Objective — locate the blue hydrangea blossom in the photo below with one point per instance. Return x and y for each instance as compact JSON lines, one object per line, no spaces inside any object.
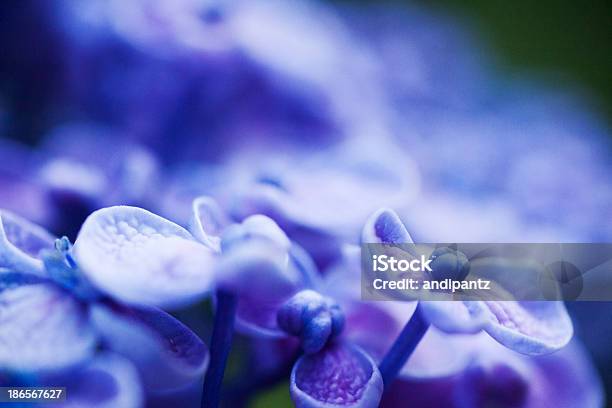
{"x":34,"y":291}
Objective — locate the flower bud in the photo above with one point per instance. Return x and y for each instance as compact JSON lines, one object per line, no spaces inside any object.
{"x":314,"y":318}
{"x":448,"y":263}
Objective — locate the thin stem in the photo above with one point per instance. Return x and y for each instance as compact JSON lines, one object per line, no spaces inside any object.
{"x":403,"y":347}
{"x":220,"y":346}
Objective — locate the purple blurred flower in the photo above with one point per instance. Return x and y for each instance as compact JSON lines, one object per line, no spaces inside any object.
{"x":322,"y":202}
{"x":235,"y":76}
{"x":490,"y":375}
{"x":106,"y":381}
{"x":348,"y":116}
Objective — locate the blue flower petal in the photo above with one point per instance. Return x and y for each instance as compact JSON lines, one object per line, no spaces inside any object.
{"x":526,"y":327}
{"x":533,"y":328}
{"x":340,"y":375}
{"x":21,"y":242}
{"x":438,"y":355}
{"x":529,"y":327}
{"x":263,"y":279}
{"x":256,"y":227}
{"x":456,"y":316}
{"x":385,"y":227}
{"x":140,"y":258}
{"x":207,"y":222}
{"x":166,"y":352}
{"x":108,"y":381}
{"x":70,"y":178}
{"x":322,"y":206}
{"x":43,"y":328}
{"x":500,"y":377}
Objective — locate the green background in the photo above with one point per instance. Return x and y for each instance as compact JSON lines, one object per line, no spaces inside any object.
{"x":567,"y":42}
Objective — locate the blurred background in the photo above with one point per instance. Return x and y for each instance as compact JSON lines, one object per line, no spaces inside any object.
{"x":63,"y":64}
{"x":559,"y":41}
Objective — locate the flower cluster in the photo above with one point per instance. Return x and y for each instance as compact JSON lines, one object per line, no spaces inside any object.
{"x":210,"y":170}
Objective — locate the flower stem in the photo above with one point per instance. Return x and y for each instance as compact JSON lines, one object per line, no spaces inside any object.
{"x":403,"y":347}
{"x":221,"y":344}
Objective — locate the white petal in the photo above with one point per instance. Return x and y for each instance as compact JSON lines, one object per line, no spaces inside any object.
{"x":141,"y":258}
{"x":42,"y":328}
{"x":20,"y":243}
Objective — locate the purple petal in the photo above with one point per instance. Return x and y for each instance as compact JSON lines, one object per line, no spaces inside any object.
{"x":342,"y":280}
{"x":65,"y":176}
{"x":20,"y":243}
{"x":536,"y":327}
{"x":438,"y":355}
{"x":263,"y":280}
{"x":455,"y":316}
{"x":141,"y":258}
{"x":339,"y":375}
{"x":385,"y":227}
{"x":322,"y":243}
{"x":43,"y":328}
{"x":500,"y":377}
{"x":492,"y":375}
{"x":94,"y":164}
{"x":108,"y":381}
{"x":261,"y":226}
{"x":256,"y":227}
{"x":321,"y":206}
{"x":208,"y":221}
{"x":365,"y":318}
{"x":166,"y":352}
{"x":21,"y":195}
{"x":529,"y":327}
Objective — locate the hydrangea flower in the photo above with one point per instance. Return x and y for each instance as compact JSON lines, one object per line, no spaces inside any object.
{"x":87,"y":166}
{"x":333,"y":371}
{"x":349,"y":115}
{"x":258,"y":268}
{"x":138,"y":257}
{"x":258,"y":262}
{"x":440,"y":370}
{"x":305,"y":200}
{"x":534,"y":327}
{"x":41,"y":283}
{"x":340,"y":375}
{"x":231,"y":78}
{"x":545,"y":328}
